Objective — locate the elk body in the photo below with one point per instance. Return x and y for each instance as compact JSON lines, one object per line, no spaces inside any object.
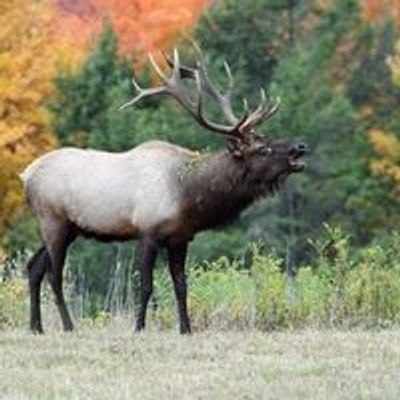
{"x":153,"y":193}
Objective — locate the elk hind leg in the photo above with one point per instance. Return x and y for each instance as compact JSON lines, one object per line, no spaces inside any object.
{"x":147,"y":258}
{"x":58,"y":235}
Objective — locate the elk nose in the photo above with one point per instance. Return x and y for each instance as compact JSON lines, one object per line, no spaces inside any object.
{"x":298,"y":149}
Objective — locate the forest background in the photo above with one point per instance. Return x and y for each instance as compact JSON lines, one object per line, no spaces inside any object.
{"x":66,"y":66}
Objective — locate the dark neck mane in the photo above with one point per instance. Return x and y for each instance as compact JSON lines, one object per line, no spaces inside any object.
{"x":217,"y":189}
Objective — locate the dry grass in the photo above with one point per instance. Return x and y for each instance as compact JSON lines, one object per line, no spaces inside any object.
{"x":112,"y":363}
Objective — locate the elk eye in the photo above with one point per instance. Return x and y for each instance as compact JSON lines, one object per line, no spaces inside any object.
{"x":268,"y":151}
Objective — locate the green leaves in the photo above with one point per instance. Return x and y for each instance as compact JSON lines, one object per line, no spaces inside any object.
{"x":85,"y":112}
{"x":329,"y":70}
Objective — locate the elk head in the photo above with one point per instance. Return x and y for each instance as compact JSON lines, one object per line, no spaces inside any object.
{"x":268,"y":160}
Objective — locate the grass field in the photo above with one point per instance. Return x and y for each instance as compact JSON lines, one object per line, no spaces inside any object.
{"x":112,"y":363}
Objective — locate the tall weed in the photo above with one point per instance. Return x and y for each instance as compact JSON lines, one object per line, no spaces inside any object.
{"x":342,"y":288}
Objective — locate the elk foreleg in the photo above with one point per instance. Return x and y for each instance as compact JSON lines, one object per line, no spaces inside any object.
{"x":176,"y":262}
{"x":147,"y":258}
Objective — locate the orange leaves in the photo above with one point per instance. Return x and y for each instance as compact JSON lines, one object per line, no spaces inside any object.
{"x":142,"y":25}
{"x":387,"y":146}
{"x":374,"y":10}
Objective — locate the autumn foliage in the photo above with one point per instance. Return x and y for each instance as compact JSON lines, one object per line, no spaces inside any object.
{"x":142,"y":25}
{"x":387,"y":144}
{"x":374,"y":10}
{"x":28,"y":54}
{"x":387,"y":165}
{"x":36,"y":38}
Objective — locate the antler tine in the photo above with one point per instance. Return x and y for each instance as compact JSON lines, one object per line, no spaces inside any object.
{"x":245,"y":105}
{"x":229,"y":133}
{"x":168,"y":83}
{"x":156,"y":67}
{"x":263,"y":103}
{"x":274,"y":108}
{"x":262,"y":107}
{"x":142,"y":93}
{"x":198,"y":49}
{"x":176,"y":69}
{"x":263,"y":111}
{"x":230,"y":77}
{"x":201,"y":66}
{"x":223,"y":100}
{"x":200,"y":96}
{"x":234,"y":127}
{"x":136,"y":84}
{"x":270,"y":110}
{"x":263,"y":95}
{"x":185,"y":72}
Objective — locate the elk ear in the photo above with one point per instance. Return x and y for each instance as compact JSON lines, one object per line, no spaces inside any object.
{"x":261,"y":147}
{"x":236,"y":147}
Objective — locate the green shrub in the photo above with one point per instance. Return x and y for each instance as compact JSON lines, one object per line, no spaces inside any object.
{"x":312,"y":297}
{"x":13,"y":293}
{"x":373,"y":289}
{"x":342,"y":288}
{"x":271,"y":290}
{"x":221,"y":295}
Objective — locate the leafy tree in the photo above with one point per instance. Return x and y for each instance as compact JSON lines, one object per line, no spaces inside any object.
{"x":86,"y":112}
{"x":319,"y":74}
{"x":296,"y":63}
{"x":141,"y":25}
{"x":252,"y":36}
{"x":376,"y":99}
{"x":375,"y":10}
{"x":326,"y":63}
{"x":90,"y":94}
{"x":27,"y":59}
{"x":370,"y":87}
{"x":387,"y":146}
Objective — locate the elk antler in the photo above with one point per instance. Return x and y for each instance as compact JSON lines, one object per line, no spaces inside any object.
{"x":234,"y":127}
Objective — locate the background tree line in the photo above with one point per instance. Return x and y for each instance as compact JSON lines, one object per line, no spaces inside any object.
{"x":335,"y":64}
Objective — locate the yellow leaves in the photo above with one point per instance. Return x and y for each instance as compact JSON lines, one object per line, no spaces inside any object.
{"x":322,"y":4}
{"x":394,"y":64}
{"x":29,"y":53}
{"x":387,"y":145}
{"x":20,"y":96}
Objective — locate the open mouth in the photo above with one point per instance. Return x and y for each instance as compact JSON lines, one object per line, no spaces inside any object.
{"x":295,"y":162}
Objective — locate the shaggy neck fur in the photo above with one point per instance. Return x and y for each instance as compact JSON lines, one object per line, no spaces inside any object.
{"x":219,"y":188}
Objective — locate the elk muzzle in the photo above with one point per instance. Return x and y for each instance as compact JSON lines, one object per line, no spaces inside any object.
{"x":296,"y":152}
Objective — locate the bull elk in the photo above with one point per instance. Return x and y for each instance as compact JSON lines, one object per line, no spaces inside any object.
{"x":149,"y":193}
